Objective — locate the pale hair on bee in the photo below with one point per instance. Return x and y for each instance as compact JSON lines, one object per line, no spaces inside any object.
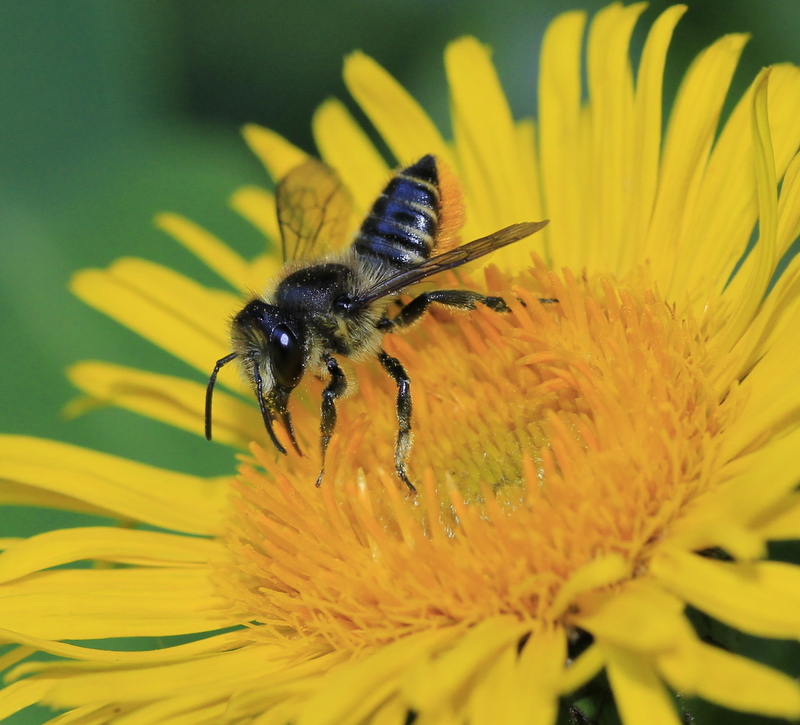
{"x":333,"y":299}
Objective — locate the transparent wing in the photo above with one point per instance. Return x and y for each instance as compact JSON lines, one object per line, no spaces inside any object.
{"x":454,"y":258}
{"x":314,"y":211}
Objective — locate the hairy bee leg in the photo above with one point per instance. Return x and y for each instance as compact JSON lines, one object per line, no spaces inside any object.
{"x":266,"y":415}
{"x":403,"y":444}
{"x":458,"y":298}
{"x":335,"y":388}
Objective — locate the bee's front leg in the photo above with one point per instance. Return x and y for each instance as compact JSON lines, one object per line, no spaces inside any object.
{"x":335,"y":388}
{"x":403,"y":444}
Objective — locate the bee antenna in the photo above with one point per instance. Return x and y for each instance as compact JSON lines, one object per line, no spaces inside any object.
{"x":265,"y":414}
{"x":210,"y":390}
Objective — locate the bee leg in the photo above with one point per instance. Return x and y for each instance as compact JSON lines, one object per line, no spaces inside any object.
{"x":333,"y":390}
{"x":403,"y":445}
{"x":458,"y":298}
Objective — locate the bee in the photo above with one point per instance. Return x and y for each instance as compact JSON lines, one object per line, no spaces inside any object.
{"x":337,"y":304}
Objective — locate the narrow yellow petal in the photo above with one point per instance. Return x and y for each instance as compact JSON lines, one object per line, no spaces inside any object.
{"x":133,"y":490}
{"x":343,"y":145}
{"x":172,"y":311}
{"x":721,"y":232}
{"x":760,"y":598}
{"x":278,"y":155}
{"x":492,"y":697}
{"x":485,"y":140}
{"x":647,"y":128}
{"x":408,"y":131}
{"x":611,"y":110}
{"x":94,"y":604}
{"x":690,"y":133}
{"x":217,"y":674}
{"x":784,"y":524}
{"x":216,"y":643}
{"x":753,"y":486}
{"x":257,"y":205}
{"x":431,"y":684}
{"x":600,"y":572}
{"x":175,"y":401}
{"x":731,"y":681}
{"x":210,"y":250}
{"x":772,"y":405}
{"x":20,"y":494}
{"x":196,"y":709}
{"x":638,"y":692}
{"x":777,"y":309}
{"x":65,"y":546}
{"x":19,"y":695}
{"x":583,"y":669}
{"x":764,"y":257}
{"x":530,"y":170}
{"x":350,"y":687}
{"x":640,"y":617}
{"x":559,"y":136}
{"x":537,"y":676}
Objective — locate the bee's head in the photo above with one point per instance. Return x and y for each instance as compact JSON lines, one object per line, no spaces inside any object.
{"x":271,"y":346}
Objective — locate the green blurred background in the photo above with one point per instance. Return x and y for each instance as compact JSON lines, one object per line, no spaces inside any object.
{"x":113,"y":111}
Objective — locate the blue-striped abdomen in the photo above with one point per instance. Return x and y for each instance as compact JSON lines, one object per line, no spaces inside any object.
{"x":401,"y":227}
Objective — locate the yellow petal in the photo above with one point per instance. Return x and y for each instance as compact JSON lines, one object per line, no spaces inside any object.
{"x":537,"y":676}
{"x":210,"y":250}
{"x":648,"y":128}
{"x":754,"y":277}
{"x":641,"y":617}
{"x":760,"y":598}
{"x":278,"y":155}
{"x":753,"y":485}
{"x":690,"y":133}
{"x":772,"y":402}
{"x":20,"y":494}
{"x":638,"y":692}
{"x":433,"y":683}
{"x":361,"y":687}
{"x":343,"y":145}
{"x":611,"y":109}
{"x":583,"y":669}
{"x":600,"y":572}
{"x":216,"y":643}
{"x":18,"y":695}
{"x":784,"y":524}
{"x":399,"y":119}
{"x":730,"y":680}
{"x":172,"y":311}
{"x":217,"y":675}
{"x":559,"y":136}
{"x":144,"y":493}
{"x":65,"y":546}
{"x":95,"y":604}
{"x":485,"y":140}
{"x":175,"y":401}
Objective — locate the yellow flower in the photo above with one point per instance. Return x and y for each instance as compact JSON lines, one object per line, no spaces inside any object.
{"x":587,"y":469}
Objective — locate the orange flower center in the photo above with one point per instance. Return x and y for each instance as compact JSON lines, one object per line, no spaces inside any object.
{"x":544,"y":437}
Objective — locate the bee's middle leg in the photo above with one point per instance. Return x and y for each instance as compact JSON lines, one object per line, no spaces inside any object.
{"x":403,"y":444}
{"x":458,"y":298}
{"x":335,"y":388}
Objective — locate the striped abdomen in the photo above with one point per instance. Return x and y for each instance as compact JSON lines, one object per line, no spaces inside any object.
{"x":401,"y":227}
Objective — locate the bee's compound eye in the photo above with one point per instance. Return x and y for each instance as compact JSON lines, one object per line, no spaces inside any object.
{"x":286,"y":355}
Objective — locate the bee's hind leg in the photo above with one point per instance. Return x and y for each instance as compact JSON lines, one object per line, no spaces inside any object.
{"x":403,"y":444}
{"x":335,"y":388}
{"x":459,"y":298}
